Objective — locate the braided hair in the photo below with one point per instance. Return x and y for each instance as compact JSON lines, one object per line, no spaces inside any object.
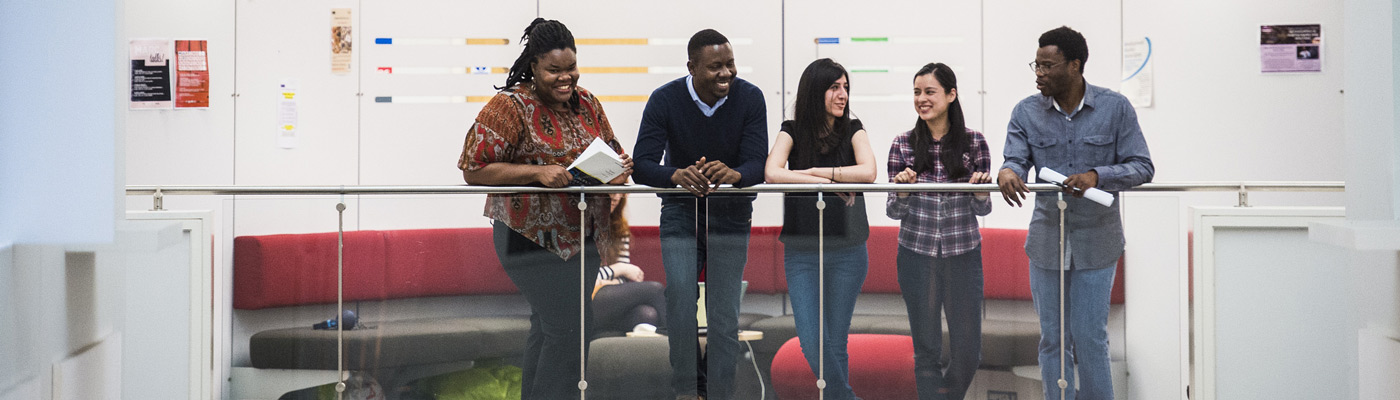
{"x":542,"y":36}
{"x":956,"y":142}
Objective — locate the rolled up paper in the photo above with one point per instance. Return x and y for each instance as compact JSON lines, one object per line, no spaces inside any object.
{"x":1094,"y":194}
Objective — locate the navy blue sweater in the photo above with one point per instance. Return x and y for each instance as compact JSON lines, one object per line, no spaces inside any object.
{"x":673,"y":128}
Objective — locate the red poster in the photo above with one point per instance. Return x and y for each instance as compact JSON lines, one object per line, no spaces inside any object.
{"x":191,"y":74}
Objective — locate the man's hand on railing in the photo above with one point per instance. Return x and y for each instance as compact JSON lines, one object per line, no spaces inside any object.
{"x":690,"y":178}
{"x":718,"y":173}
{"x":1013,"y":190}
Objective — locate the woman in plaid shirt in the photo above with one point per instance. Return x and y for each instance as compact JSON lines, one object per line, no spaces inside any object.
{"x":940,"y":252}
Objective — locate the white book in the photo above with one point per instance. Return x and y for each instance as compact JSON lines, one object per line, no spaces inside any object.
{"x":597,"y":164}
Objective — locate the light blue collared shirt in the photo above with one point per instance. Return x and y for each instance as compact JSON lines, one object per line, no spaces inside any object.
{"x":1102,"y":135}
{"x":1069,"y":116}
{"x":704,"y":108}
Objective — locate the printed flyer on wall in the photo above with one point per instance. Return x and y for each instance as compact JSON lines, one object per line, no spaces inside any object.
{"x":287,"y":113}
{"x":1137,"y":72}
{"x":342,"y":40}
{"x":191,"y":74}
{"x":1290,"y":48}
{"x":150,"y":74}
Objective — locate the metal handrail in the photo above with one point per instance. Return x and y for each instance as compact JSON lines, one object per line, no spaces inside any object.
{"x":1284,"y":186}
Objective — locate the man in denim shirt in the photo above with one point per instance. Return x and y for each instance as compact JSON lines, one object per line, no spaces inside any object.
{"x":1092,"y":135}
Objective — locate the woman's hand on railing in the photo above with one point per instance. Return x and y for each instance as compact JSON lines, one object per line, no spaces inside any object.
{"x":906,"y":176}
{"x":980,"y":177}
{"x":555,"y":176}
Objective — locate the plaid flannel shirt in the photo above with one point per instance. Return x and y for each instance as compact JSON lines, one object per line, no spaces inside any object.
{"x":938,"y":224}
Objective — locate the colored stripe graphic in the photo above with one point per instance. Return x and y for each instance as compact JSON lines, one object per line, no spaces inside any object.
{"x":577,"y":41}
{"x":619,"y":99}
{"x":442,"y":41}
{"x":483,"y":99}
{"x":888,"y":98}
{"x":612,"y":41}
{"x":612,"y":70}
{"x":885,"y":69}
{"x":647,"y":41}
{"x":673,"y":70}
{"x":890,"y":40}
{"x":443,"y":70}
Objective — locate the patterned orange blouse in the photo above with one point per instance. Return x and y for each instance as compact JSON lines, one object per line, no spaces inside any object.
{"x":516,"y":127}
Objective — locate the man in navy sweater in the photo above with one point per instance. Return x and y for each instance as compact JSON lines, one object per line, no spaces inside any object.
{"x":698,"y":132}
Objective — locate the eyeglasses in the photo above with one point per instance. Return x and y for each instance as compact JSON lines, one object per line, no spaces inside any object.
{"x":1038,"y":67}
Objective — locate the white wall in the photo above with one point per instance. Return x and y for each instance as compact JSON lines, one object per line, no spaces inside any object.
{"x":56,"y":142}
{"x":1215,"y":117}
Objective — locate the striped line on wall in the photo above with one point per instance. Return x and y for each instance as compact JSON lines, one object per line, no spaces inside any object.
{"x":443,"y":41}
{"x":577,"y":41}
{"x":483,"y":99}
{"x":481,"y":70}
{"x":888,"y":39}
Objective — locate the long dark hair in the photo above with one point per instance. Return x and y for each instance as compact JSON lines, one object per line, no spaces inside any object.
{"x":812,"y":136}
{"x":619,"y":229}
{"x":956,"y":142}
{"x":542,"y":36}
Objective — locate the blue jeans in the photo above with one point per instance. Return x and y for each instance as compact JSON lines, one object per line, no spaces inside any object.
{"x":1086,"y":330}
{"x":845,"y":273}
{"x":713,"y":232}
{"x":931,"y":286}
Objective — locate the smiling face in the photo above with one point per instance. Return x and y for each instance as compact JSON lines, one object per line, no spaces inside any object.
{"x":931,"y":100}
{"x":713,"y":70}
{"x":556,"y":77}
{"x":1053,"y":74}
{"x":836,"y":97}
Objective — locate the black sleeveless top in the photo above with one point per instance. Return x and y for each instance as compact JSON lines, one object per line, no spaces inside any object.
{"x":844,"y":226}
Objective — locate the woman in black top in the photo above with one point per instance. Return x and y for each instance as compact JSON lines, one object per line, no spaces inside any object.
{"x":822,"y":144}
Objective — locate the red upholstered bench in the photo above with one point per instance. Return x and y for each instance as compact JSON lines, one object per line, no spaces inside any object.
{"x":882,"y":368}
{"x":300,"y":269}
{"x":292,"y":270}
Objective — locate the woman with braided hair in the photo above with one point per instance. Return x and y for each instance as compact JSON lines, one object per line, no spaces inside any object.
{"x":537,"y":124}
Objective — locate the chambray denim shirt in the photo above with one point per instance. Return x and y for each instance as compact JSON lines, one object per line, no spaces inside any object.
{"x":1102,"y":135}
